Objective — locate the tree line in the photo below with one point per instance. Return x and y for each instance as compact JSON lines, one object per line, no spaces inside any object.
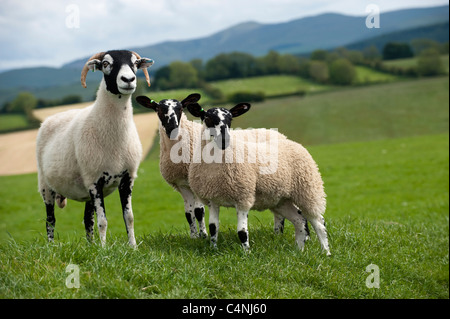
{"x":322,"y":66}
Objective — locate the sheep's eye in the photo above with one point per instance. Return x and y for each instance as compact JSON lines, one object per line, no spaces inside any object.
{"x":208,"y":122}
{"x":105,"y":64}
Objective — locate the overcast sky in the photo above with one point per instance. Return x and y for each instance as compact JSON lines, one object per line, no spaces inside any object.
{"x":51,"y":33}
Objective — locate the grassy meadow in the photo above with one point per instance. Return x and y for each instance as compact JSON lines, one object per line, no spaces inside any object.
{"x":383,"y":154}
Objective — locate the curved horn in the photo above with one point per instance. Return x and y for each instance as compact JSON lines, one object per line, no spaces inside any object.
{"x":147,"y":77}
{"x":85,"y":70}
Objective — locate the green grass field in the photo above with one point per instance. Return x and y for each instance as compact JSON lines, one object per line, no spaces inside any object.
{"x":10,"y":122}
{"x":383,"y":154}
{"x":412,"y":62}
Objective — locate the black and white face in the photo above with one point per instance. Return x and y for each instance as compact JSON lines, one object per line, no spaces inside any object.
{"x":217,"y":121}
{"x":119,"y":68}
{"x":169,"y":111}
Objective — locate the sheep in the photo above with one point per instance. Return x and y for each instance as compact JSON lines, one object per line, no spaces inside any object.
{"x":296,"y":182}
{"x":174,"y":129}
{"x":85,"y":154}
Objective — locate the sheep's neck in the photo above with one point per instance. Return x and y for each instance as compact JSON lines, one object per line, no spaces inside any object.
{"x":112,"y":106}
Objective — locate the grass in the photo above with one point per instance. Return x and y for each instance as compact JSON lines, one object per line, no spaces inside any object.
{"x":366,"y":75}
{"x":381,"y":111}
{"x":412,"y":62}
{"x":272,"y":85}
{"x":397,"y":220}
{"x":383,"y":154}
{"x":10,"y":122}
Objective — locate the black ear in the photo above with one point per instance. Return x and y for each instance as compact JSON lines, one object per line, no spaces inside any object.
{"x":192,"y":98}
{"x":196,"y":110}
{"x":147,"y":102}
{"x":240,"y":109}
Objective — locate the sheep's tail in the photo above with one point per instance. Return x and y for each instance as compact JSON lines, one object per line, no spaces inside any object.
{"x":61,"y":201}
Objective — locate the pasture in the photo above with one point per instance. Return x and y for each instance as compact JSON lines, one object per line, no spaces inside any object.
{"x":383,"y":154}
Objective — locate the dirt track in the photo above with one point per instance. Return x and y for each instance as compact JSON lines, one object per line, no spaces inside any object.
{"x":18,"y":150}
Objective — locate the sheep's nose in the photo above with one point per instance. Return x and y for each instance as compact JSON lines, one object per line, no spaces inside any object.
{"x":128,"y":80}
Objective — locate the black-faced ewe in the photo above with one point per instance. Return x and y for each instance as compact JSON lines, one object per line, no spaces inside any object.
{"x":176,"y":129}
{"x":85,"y":154}
{"x":245,"y":183}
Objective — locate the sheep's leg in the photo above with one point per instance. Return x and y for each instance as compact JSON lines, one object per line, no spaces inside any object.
{"x":318,"y":223}
{"x":214,"y":223}
{"x":199,"y":212}
{"x":291,"y":213}
{"x":89,"y":211}
{"x":96,"y":193}
{"x":242,"y":227}
{"x":189,"y":209}
{"x":125,"y":190}
{"x":278,"y":223}
{"x":49,"y":200}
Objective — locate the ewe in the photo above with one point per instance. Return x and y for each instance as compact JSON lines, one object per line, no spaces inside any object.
{"x":296,"y":181}
{"x":86,"y":154}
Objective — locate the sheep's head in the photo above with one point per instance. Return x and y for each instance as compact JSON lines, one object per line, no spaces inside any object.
{"x":218,"y":120}
{"x":169,"y":111}
{"x":119,"y":68}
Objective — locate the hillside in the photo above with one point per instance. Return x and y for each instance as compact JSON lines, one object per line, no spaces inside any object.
{"x":298,"y":36}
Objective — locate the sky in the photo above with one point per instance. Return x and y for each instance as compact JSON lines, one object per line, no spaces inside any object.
{"x":54,"y":32}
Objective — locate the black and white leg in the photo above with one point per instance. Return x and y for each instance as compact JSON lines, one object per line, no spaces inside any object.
{"x":242,"y":227}
{"x":213,"y":223}
{"x":278,"y":223}
{"x":48,"y":196}
{"x":199,"y":212}
{"x":291,"y":213}
{"x":89,"y":211}
{"x":125,"y":190}
{"x":189,"y":210}
{"x":96,"y":193}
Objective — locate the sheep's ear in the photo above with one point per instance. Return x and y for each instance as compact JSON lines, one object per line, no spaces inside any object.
{"x":94,"y":64}
{"x":196,"y":110}
{"x":240,"y":109}
{"x":144,"y":63}
{"x":146,"y":102}
{"x":191,"y":99}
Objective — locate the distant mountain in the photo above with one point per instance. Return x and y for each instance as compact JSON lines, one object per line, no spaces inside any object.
{"x":325,"y":31}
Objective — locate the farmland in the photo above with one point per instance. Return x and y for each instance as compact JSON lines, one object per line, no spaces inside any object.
{"x":383,"y":153}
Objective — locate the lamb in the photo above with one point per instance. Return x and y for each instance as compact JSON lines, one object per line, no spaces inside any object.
{"x":85,"y":154}
{"x":295,"y":183}
{"x":175,"y":129}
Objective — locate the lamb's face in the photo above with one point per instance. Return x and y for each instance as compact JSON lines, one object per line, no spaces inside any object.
{"x":169,"y":113}
{"x":218,"y":122}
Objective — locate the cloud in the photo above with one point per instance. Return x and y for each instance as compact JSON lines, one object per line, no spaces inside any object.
{"x":36,"y":32}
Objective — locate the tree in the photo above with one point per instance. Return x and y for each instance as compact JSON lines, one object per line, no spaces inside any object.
{"x":342,"y":72}
{"x":392,"y":51}
{"x":182,"y":75}
{"x":318,"y":71}
{"x":319,"y":55}
{"x":24,"y":103}
{"x":371,"y":53}
{"x":429,"y":63}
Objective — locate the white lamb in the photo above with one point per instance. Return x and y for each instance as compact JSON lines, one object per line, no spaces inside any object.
{"x":86,"y":154}
{"x":295,"y":183}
